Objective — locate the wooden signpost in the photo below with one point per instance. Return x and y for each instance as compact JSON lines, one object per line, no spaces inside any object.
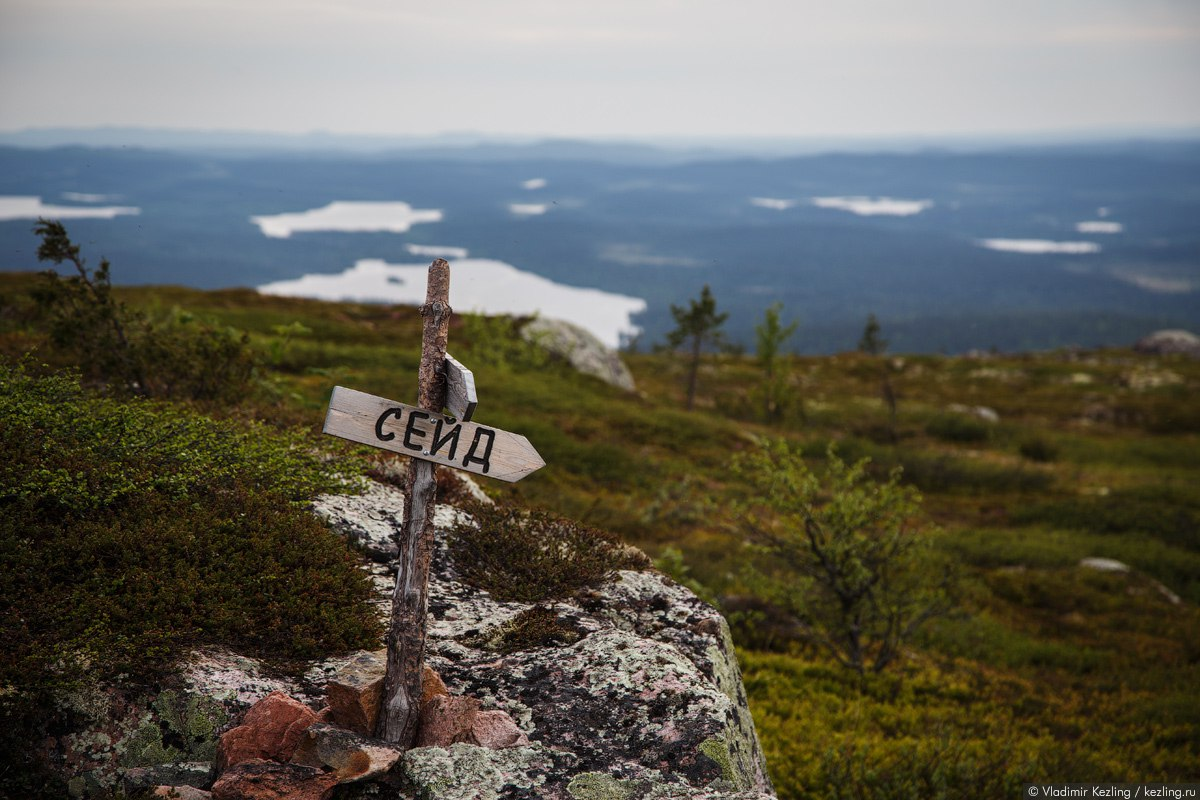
{"x":423,"y":432}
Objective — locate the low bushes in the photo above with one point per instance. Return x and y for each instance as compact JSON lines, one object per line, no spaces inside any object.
{"x":531,"y":556}
{"x":131,"y":530}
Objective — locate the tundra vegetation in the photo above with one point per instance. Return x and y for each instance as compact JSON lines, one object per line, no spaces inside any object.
{"x":1047,"y":671}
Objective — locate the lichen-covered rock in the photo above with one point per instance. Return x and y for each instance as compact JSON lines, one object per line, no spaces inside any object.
{"x":160,"y":737}
{"x":180,"y":792}
{"x":344,"y":754}
{"x":369,"y":521}
{"x":581,"y":349}
{"x":649,"y":694}
{"x":195,"y":774}
{"x":1169,"y":342}
{"x":468,"y":772}
{"x":237,"y":682}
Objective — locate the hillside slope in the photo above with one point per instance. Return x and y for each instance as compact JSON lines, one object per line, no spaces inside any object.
{"x":1028,"y":463}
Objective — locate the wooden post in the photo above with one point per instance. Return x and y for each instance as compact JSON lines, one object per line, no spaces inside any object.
{"x":406,"y":633}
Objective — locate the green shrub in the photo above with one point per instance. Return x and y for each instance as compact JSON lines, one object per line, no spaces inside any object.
{"x":1039,"y":449}
{"x":1125,"y":511}
{"x":932,"y":472}
{"x":497,"y":342}
{"x":951,"y":427}
{"x":842,"y":554}
{"x":531,"y":556}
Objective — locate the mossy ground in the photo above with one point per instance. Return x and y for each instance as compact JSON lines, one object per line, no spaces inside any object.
{"x":1049,"y":672}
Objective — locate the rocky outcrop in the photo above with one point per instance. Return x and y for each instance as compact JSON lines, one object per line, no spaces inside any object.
{"x":643,"y":700}
{"x":580,"y":349}
{"x":1169,"y":342}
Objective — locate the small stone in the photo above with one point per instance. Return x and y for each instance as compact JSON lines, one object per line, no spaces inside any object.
{"x":270,"y":730}
{"x":350,"y":757}
{"x":1168,"y":342}
{"x":431,"y":685}
{"x":446,"y":719}
{"x":1104,"y":564}
{"x":257,"y":779}
{"x":496,"y":730}
{"x":355,"y":692}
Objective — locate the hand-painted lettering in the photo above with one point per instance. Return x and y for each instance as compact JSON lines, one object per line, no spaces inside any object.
{"x":410,"y":430}
{"x":439,"y":440}
{"x":379,"y":434}
{"x":480,"y":433}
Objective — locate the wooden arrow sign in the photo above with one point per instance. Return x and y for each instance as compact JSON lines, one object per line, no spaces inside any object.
{"x":405,"y":429}
{"x":460,"y":389}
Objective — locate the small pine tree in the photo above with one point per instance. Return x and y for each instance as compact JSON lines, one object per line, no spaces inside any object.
{"x":771,"y":334}
{"x":871,"y":342}
{"x":83,"y":312}
{"x":697,"y":325}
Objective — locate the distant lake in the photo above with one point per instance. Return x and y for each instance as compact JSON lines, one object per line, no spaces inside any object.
{"x":477,"y":285}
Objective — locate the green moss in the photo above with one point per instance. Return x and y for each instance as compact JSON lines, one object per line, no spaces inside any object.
{"x":131,"y":531}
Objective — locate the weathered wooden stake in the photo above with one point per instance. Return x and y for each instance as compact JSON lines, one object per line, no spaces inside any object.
{"x":406,"y":633}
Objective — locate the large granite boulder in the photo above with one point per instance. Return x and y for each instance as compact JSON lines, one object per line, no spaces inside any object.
{"x":644,"y":699}
{"x":580,"y":349}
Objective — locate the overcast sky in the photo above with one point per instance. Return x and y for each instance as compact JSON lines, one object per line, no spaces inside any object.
{"x":611,"y":68}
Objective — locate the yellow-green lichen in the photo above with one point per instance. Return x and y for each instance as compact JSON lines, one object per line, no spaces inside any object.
{"x":195,"y":719}
{"x":717,"y":749}
{"x":145,"y":748}
{"x":191,"y":721}
{"x":597,"y":786}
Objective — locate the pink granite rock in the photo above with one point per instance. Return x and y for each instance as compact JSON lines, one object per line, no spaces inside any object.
{"x":271,"y":730}
{"x":496,"y":730}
